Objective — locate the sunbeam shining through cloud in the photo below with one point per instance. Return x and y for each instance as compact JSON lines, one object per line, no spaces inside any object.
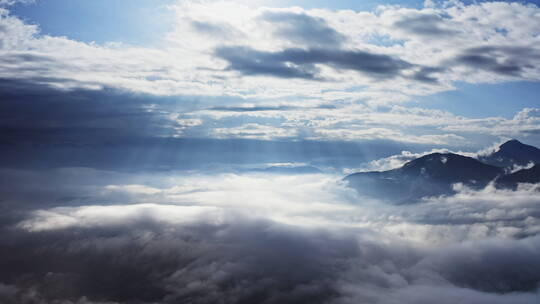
{"x":207,"y":151}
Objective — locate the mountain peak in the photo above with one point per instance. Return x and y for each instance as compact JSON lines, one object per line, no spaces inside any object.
{"x":513,"y":140}
{"x":513,"y":152}
{"x":512,"y":143}
{"x":449,"y":167}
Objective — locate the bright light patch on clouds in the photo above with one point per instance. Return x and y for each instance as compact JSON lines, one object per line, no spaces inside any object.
{"x":103,"y":216}
{"x":320,"y":201}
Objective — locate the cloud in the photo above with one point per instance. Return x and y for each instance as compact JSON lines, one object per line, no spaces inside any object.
{"x":327,"y":267}
{"x":299,"y":63}
{"x":355,"y":77}
{"x":11,"y":2}
{"x":252,"y":62}
{"x":313,"y":200}
{"x":40,"y":113}
{"x":13,"y":31}
{"x":255,"y":131}
{"x":303,"y":29}
{"x":96,"y":216}
{"x":92,"y":116}
{"x":75,"y":235}
{"x":215,"y":30}
{"x":511,"y":61}
{"x":266,"y":238}
{"x":359,"y":133}
{"x":272,"y":40}
{"x":261,"y":108}
{"x":523,"y":123}
{"x":424,"y":24}
{"x":206,"y":264}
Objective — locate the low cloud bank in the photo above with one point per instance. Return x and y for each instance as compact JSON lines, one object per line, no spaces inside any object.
{"x":260,"y":238}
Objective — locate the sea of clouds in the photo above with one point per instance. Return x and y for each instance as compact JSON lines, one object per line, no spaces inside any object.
{"x":80,"y":235}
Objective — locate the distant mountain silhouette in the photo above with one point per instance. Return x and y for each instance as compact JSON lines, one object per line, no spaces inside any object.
{"x":434,"y":174}
{"x":511,"y":153}
{"x":530,"y":176}
{"x":430,"y":175}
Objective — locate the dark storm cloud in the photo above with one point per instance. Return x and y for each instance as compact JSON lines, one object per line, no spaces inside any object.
{"x":503,"y":60}
{"x":426,"y":25}
{"x":300,"y":63}
{"x":303,"y":29}
{"x":33,"y":112}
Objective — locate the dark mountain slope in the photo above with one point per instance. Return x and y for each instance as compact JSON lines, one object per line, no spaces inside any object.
{"x":530,"y":176}
{"x":450,"y":167}
{"x":429,"y":175}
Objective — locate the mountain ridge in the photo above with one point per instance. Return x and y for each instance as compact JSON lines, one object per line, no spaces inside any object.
{"x":435,"y":174}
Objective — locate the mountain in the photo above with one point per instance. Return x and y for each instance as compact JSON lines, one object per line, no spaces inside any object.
{"x":450,"y":167}
{"x":434,"y":174}
{"x":429,"y":175}
{"x":531,"y":176}
{"x":511,"y":153}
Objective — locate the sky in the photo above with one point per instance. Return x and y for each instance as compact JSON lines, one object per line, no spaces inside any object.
{"x":459,"y":75}
{"x":193,"y":151}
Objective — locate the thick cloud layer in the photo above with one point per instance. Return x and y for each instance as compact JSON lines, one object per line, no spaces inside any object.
{"x":167,"y":238}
